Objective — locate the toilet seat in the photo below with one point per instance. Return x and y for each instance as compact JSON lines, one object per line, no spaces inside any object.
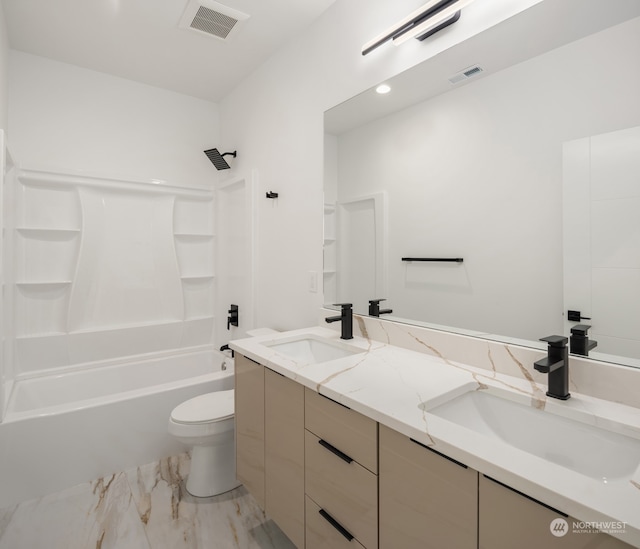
{"x":207,"y":408}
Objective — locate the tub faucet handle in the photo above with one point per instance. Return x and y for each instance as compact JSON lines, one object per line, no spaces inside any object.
{"x":232,"y":319}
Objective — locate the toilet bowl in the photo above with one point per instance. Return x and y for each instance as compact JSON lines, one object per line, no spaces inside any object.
{"x":206,"y":424}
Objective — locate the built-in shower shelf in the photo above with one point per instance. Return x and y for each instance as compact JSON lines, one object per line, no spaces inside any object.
{"x":193,"y":236}
{"x":43,"y":284}
{"x":37,"y":335}
{"x":197,"y":278}
{"x":42,"y":232}
{"x":200,"y":317}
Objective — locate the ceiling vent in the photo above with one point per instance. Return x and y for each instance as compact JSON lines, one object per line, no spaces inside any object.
{"x":465,"y":74}
{"x":211,"y":18}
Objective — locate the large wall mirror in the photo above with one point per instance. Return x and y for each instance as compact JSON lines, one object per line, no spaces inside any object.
{"x":526,"y":169}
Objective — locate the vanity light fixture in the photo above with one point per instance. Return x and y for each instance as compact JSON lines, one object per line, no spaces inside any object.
{"x":423,"y":22}
{"x":447,"y":16}
{"x":383,"y":88}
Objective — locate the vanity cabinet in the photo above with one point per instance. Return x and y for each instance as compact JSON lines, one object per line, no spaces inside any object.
{"x":284,"y":454}
{"x":426,"y":499}
{"x":341,"y":480}
{"x":269,"y":419}
{"x":331,"y":478}
{"x":507,"y":517}
{"x":249,"y":418}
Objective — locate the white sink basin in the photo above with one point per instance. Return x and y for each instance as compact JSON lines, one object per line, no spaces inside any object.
{"x":312,"y":350}
{"x":592,"y":451}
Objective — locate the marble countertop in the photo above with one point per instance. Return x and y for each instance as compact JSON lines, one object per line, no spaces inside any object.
{"x":396,"y":387}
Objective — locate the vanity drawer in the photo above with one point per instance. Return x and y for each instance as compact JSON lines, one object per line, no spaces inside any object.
{"x":347,"y":491}
{"x":349,"y":431}
{"x":320,"y":533}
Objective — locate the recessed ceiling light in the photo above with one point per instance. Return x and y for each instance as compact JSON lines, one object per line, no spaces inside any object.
{"x":383,"y":88}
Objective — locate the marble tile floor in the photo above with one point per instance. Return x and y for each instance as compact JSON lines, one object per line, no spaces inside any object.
{"x":143,"y":508}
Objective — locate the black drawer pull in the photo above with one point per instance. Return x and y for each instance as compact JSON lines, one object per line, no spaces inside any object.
{"x":335,"y":402}
{"x":326,"y":516}
{"x":335,"y":451}
{"x":439,"y":453}
{"x":526,"y":496}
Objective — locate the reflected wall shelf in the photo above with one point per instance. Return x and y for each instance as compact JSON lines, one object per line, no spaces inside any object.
{"x":329,"y":273}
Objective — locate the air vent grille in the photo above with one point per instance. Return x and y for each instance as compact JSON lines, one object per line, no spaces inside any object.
{"x":213,"y":22}
{"x":469,"y":72}
{"x":472,"y":71}
{"x":212,"y":18}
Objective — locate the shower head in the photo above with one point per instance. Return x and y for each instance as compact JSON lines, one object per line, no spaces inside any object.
{"x":217,"y":159}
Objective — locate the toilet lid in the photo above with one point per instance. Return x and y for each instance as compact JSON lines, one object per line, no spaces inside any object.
{"x":206,"y":408}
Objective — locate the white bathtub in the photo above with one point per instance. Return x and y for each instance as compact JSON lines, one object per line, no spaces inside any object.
{"x":75,"y":426}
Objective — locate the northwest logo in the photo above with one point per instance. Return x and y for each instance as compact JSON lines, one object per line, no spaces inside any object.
{"x":559,"y":527}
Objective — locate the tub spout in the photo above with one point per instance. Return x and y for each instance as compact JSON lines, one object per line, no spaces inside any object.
{"x":227,"y":348}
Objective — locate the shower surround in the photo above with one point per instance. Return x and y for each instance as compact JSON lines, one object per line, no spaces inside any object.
{"x":104,"y":279}
{"x":107,"y":268}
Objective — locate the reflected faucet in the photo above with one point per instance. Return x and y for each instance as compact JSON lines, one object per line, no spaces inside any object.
{"x":346,"y":318}
{"x":556,"y":364}
{"x":375,"y":310}
{"x":579,"y":341}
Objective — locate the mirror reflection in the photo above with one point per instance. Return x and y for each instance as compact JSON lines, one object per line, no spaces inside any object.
{"x":527,"y":169}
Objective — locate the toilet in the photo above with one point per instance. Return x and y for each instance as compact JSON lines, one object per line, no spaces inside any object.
{"x":206,"y":424}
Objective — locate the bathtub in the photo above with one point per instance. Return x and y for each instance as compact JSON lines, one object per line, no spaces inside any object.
{"x":75,"y":426}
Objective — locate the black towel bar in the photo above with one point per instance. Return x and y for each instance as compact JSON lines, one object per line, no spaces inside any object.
{"x":445,"y":259}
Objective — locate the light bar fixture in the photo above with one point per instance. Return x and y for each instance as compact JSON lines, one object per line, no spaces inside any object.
{"x":423,"y":22}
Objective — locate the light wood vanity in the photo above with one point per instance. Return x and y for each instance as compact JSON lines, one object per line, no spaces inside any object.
{"x":333,"y":478}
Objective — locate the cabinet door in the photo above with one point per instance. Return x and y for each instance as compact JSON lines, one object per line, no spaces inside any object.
{"x":249,"y":415}
{"x":510,"y":519}
{"x":284,"y":454}
{"x":426,"y":500}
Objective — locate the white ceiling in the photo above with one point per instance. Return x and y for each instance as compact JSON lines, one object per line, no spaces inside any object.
{"x":140,"y":39}
{"x":543,"y":27}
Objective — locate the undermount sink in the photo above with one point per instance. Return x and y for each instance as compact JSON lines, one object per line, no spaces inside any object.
{"x":592,"y":451}
{"x":312,"y":350}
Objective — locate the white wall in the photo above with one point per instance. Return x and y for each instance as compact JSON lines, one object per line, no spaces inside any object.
{"x":4,"y":55}
{"x":275,"y":120}
{"x":69,"y":118}
{"x":477,"y":173}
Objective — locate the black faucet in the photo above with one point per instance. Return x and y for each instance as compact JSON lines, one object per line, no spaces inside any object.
{"x":556,"y":364}
{"x":579,"y":341}
{"x":375,"y":310}
{"x":346,"y":317}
